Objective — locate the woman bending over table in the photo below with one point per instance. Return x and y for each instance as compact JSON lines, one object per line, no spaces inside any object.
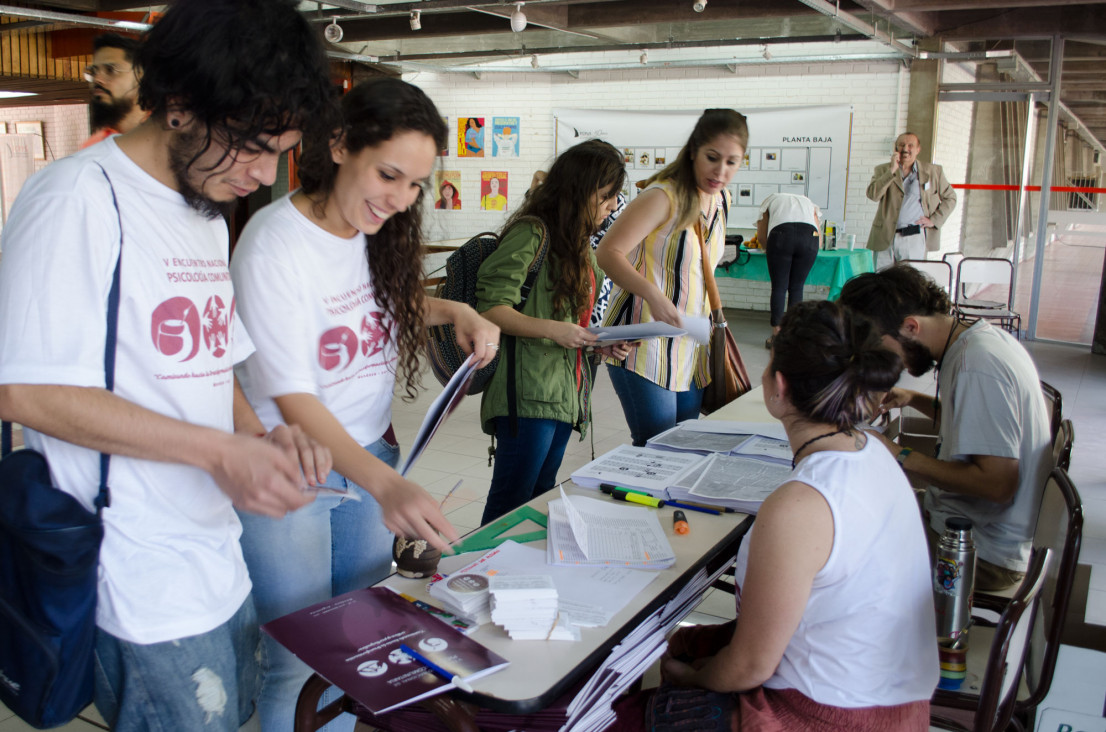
{"x":655,"y":254}
{"x":835,"y":625}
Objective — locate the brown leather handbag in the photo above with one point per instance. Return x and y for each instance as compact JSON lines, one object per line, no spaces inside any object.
{"x":728,"y":377}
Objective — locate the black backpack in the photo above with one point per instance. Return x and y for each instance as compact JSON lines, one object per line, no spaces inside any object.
{"x":459,"y":285}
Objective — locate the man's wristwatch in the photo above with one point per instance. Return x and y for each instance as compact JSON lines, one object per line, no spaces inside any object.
{"x":903,"y":455}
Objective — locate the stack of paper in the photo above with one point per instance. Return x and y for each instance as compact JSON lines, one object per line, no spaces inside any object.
{"x":586,"y":531}
{"x":730,"y":481}
{"x":641,"y":468}
{"x":465,"y":592}
{"x":526,"y":607}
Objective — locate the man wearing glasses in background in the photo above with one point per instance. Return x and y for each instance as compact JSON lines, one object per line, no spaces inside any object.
{"x":114,"y":79}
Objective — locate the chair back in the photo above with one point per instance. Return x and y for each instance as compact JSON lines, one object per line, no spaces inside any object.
{"x":1061,"y":446}
{"x":953,"y":260}
{"x":1006,"y":660}
{"x":982,"y":272}
{"x":1055,"y":404}
{"x":1060,"y":530}
{"x":939,"y":272}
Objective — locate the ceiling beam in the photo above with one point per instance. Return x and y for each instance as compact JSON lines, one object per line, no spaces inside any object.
{"x":1083,"y":21}
{"x":939,"y":6}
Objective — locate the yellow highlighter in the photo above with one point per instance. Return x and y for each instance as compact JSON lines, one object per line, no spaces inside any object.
{"x":620,"y":495}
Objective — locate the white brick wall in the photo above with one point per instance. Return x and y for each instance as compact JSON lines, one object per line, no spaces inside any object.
{"x":65,"y":127}
{"x":871,"y":88}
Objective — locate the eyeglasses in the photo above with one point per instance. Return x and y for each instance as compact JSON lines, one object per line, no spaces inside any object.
{"x":109,"y":70}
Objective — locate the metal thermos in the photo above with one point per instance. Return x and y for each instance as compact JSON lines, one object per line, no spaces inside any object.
{"x":953,"y":581}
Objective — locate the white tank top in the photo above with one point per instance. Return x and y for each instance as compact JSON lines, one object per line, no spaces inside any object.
{"x":868,"y":634}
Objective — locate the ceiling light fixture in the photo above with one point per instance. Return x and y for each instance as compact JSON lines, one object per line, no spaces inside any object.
{"x":518,"y":18}
{"x":333,"y":32}
{"x":767,"y":54}
{"x":416,"y":20}
{"x":534,"y":61}
{"x":644,"y":58}
{"x":699,"y":6}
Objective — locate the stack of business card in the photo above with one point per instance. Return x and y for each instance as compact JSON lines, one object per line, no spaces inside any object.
{"x":526,"y":607}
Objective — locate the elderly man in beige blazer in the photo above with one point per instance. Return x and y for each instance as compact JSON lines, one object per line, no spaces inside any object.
{"x":914,"y":200}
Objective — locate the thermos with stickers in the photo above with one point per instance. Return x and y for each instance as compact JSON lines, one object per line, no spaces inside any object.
{"x":953,"y":583}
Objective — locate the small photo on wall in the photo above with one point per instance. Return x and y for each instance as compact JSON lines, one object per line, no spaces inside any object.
{"x":470,"y":137}
{"x":628,"y":156}
{"x":493,"y":190}
{"x":447,"y":193}
{"x":505,"y":137}
{"x":643,"y":158}
{"x":660,"y":158}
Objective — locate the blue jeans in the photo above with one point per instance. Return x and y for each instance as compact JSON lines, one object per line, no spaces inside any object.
{"x":203,"y":682}
{"x":526,"y":465}
{"x":651,"y":409}
{"x":329,"y":547}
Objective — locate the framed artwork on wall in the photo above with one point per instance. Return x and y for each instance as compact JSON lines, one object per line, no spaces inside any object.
{"x":33,"y":128}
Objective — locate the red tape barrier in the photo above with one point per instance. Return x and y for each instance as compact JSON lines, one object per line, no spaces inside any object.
{"x":1055,"y":189}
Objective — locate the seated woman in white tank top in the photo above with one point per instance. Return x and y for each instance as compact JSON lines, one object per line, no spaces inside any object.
{"x":835,"y":626}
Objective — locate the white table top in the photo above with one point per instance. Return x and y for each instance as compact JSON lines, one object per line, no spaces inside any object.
{"x":541,"y":671}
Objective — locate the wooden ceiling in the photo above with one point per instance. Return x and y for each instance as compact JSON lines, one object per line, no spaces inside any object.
{"x":458,"y":32}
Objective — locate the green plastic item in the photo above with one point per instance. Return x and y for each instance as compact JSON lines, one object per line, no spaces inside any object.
{"x":492,"y":535}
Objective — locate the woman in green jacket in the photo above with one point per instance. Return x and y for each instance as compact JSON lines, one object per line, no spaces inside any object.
{"x":540,"y":390}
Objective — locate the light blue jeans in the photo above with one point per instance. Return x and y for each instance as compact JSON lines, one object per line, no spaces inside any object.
{"x":332,"y":546}
{"x":651,"y":409}
{"x":203,"y":682}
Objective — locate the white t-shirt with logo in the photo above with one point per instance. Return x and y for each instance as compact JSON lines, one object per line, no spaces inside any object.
{"x":307,"y":298}
{"x":170,"y":563}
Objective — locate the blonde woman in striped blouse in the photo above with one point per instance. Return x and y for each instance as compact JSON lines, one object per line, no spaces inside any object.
{"x":654,"y":253}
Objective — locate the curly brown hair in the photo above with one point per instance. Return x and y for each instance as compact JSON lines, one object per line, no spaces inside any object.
{"x":563,"y":202}
{"x":374,"y":112}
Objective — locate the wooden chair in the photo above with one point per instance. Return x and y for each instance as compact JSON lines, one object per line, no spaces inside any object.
{"x":1061,"y":446}
{"x":1055,"y":404}
{"x":993,"y":708}
{"x":1059,"y":530}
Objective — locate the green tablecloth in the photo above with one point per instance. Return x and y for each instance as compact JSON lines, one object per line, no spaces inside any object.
{"x":833,"y":268}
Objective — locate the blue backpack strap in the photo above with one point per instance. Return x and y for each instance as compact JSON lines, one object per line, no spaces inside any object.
{"x":103,"y":498}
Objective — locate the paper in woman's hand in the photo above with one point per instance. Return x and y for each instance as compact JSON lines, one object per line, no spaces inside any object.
{"x":635,"y":332}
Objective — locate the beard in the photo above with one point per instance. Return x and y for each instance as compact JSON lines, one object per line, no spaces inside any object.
{"x":109,"y":113}
{"x":184,"y":149}
{"x":916,"y":358}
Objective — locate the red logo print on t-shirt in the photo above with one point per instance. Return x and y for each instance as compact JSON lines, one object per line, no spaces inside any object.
{"x":337,"y":347}
{"x":216,"y":324}
{"x":372,"y":334}
{"x":175,"y":328}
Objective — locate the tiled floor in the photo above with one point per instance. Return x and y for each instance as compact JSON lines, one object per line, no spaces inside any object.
{"x":460,"y":451}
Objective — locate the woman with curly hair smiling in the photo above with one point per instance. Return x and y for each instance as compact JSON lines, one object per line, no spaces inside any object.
{"x":329,"y":284}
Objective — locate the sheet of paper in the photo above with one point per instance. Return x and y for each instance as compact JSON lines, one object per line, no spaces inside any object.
{"x":698,"y":327}
{"x":643,"y":468}
{"x":616,"y":533}
{"x":681,"y":437}
{"x":739,"y":478}
{"x":766,"y":447}
{"x":591,"y":595}
{"x":766,"y":429}
{"x":635,"y":331}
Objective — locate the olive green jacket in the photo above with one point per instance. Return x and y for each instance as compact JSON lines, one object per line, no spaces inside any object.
{"x":545,"y":371}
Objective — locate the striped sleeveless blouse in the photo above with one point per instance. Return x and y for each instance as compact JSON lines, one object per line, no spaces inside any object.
{"x":672,"y":259}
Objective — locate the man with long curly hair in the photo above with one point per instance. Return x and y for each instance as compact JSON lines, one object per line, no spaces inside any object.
{"x":177,"y":634}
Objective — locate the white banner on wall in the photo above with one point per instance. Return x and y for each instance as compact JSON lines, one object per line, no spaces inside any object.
{"x":801,"y":150}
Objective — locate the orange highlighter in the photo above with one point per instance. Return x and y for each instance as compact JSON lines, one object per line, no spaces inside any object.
{"x":679,"y":523}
